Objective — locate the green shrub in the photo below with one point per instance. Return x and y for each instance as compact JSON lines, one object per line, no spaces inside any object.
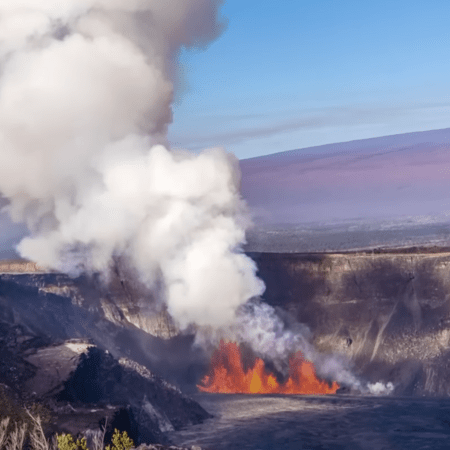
{"x":66,"y":442}
{"x":13,"y":433}
{"x":120,"y":441}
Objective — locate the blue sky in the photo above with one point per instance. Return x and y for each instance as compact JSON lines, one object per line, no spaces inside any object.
{"x":287,"y":75}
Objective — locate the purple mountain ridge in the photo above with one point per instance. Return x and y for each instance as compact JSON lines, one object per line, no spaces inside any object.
{"x":382,"y":183}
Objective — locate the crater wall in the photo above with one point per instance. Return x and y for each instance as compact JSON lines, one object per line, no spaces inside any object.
{"x":388,"y":312}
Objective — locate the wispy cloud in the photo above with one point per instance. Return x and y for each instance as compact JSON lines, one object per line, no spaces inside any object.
{"x":237,"y":129}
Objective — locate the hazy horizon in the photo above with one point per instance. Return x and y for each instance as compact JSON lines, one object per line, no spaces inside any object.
{"x":393,"y":190}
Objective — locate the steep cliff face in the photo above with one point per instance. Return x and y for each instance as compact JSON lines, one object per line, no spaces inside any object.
{"x":389,"y":312}
{"x":121,"y":301}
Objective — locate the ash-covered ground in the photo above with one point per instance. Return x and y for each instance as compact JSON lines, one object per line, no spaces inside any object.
{"x":338,"y":422}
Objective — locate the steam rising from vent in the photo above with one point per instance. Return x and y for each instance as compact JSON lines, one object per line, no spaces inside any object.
{"x":85,"y":94}
{"x":261,"y":327}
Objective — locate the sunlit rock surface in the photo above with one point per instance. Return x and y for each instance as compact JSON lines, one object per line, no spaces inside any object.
{"x":121,"y":299}
{"x":19,"y":266}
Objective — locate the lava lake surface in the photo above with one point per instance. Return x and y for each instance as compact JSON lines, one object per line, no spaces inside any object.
{"x":331,"y":422}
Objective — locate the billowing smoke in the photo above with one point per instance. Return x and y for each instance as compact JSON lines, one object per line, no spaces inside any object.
{"x":86,"y":88}
{"x":85,"y":101}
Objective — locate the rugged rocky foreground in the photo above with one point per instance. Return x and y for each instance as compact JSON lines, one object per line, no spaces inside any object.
{"x":388,"y":311}
{"x":61,"y":349}
{"x":83,"y":388}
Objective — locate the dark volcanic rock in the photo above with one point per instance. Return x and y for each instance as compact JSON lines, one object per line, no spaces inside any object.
{"x":86,"y":387}
{"x":73,"y":345}
{"x":15,"y":342}
{"x":153,"y":404}
{"x":56,"y":307}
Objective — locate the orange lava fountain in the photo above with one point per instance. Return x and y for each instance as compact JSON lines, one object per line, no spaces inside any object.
{"x":227,"y":376}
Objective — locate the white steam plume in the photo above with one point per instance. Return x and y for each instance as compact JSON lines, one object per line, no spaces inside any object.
{"x":85,"y":94}
{"x":276,"y":338}
{"x":259,"y":325}
{"x":85,"y":101}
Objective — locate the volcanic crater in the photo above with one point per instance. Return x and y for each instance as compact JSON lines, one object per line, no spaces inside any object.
{"x":386,"y":312}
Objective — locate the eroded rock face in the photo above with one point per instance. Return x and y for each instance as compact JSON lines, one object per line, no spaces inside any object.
{"x":389,"y":312}
{"x":120,"y":300}
{"x":56,"y":307}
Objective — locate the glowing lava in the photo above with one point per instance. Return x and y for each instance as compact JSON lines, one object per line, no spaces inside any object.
{"x":227,"y":376}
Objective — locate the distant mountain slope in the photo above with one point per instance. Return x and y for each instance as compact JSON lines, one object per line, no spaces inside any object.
{"x":387,"y":177}
{"x":393,"y":190}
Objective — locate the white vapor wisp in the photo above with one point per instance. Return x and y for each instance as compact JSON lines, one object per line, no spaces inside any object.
{"x":261,"y":327}
{"x":86,"y":88}
{"x":275,"y":336}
